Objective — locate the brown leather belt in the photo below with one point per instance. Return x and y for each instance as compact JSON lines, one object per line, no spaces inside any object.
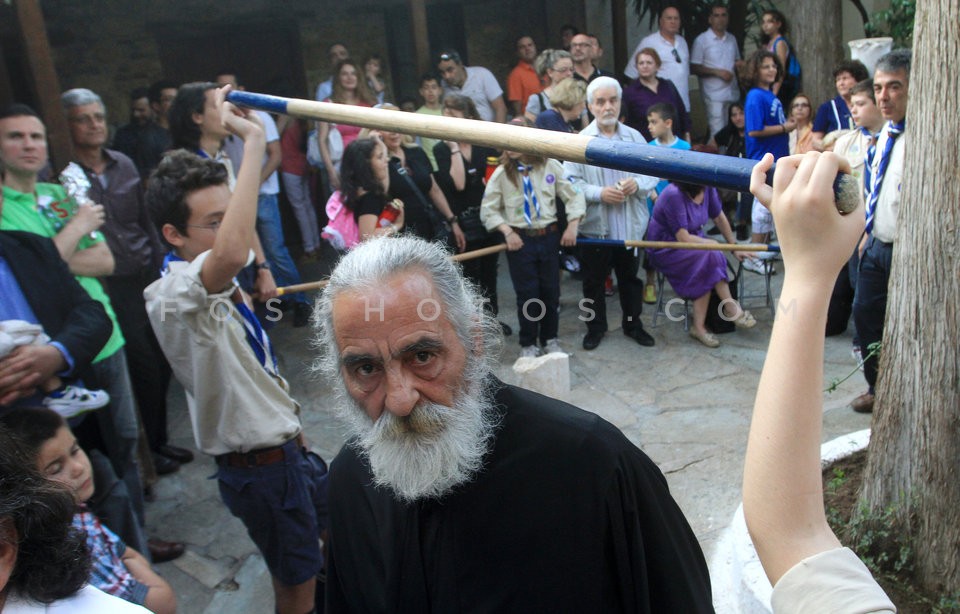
{"x":537,"y":232}
{"x":258,"y":458}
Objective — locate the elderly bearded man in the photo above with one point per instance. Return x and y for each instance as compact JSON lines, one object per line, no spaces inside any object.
{"x":457,"y":492}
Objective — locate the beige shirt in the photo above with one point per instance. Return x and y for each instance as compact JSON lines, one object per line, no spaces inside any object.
{"x":831,"y":581}
{"x":234,"y":404}
{"x":888,"y":205}
{"x":503,"y":201}
{"x":853,"y":146}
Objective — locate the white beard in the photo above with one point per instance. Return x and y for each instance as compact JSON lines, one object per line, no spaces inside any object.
{"x":429,"y":452}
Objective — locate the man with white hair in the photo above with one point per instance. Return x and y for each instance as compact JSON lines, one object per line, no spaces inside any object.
{"x":457,"y":489}
{"x":616,"y":209}
{"x":135,"y":244}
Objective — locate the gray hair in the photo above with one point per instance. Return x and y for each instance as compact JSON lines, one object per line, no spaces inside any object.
{"x":895,"y":61}
{"x":547,"y":58}
{"x":601,"y":82}
{"x":372,"y":262}
{"x":79,"y":96}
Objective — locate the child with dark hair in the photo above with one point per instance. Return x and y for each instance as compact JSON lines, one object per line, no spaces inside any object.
{"x":767,"y":128}
{"x":520,"y":201}
{"x":240,"y":405}
{"x":116,"y":568}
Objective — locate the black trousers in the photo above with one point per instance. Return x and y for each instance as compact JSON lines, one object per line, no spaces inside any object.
{"x":483,"y":271}
{"x":595,"y":263}
{"x":870,"y":302}
{"x":149,"y":370}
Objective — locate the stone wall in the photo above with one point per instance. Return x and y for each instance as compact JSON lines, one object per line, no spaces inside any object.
{"x":114,"y":46}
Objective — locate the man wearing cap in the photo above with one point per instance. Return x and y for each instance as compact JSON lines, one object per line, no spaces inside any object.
{"x":474,"y":82}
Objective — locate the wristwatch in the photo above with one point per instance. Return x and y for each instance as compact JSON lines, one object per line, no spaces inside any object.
{"x":264,"y":266}
{"x":452,"y":220}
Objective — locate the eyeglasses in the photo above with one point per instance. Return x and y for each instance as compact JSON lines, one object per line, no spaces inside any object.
{"x":676,"y":56}
{"x":96,"y":118}
{"x":214,"y":226}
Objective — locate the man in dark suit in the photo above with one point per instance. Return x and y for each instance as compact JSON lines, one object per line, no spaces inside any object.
{"x":33,"y":276}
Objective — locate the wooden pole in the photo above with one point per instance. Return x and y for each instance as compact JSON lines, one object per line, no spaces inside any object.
{"x":33,"y":31}
{"x":486,"y":251}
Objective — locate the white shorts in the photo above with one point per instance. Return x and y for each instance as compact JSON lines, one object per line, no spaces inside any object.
{"x":761,"y":218}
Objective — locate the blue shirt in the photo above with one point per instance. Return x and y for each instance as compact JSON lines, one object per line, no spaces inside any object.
{"x":833,"y":115}
{"x":763,"y":109}
{"x":14,"y":306}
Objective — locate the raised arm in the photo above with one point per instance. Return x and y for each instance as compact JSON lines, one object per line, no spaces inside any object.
{"x":782,"y":489}
{"x":237,"y":233}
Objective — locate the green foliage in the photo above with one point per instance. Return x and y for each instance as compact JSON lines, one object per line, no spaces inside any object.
{"x":879,"y":539}
{"x":872,"y":350}
{"x":839,"y":479}
{"x":896,"y":22}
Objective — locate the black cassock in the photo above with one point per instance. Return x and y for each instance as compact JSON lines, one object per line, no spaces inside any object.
{"x":566,"y":516}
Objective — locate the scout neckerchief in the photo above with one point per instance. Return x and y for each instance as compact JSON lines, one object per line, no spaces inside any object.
{"x":893,"y":131}
{"x":256,"y":337}
{"x":529,"y":195}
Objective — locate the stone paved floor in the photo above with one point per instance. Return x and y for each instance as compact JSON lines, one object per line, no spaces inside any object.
{"x":687,"y":406}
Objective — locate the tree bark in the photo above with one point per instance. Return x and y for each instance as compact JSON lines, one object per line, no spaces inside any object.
{"x":814,"y":32}
{"x":915,"y":447}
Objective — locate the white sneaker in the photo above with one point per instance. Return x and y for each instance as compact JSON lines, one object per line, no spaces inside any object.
{"x":766,"y":255}
{"x":529,"y":351}
{"x":73,"y":400}
{"x":755,"y":265}
{"x":552,"y":346}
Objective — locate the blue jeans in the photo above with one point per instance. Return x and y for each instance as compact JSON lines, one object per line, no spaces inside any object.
{"x":870,"y":301}
{"x":284,"y":507}
{"x":535,"y":273}
{"x":270,"y":230}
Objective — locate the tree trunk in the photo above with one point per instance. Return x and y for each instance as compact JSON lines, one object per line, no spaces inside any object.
{"x":814,"y":32}
{"x":915,"y":448}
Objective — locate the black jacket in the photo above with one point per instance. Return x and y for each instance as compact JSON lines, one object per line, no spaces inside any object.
{"x":64,"y":309}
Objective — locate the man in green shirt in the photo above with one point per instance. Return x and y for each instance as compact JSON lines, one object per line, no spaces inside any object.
{"x":45,"y":209}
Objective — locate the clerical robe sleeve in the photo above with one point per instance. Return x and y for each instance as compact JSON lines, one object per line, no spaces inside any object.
{"x":659,"y":564}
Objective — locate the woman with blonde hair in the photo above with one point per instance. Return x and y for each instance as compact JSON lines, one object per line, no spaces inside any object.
{"x":553,"y":66}
{"x":349,"y":87}
{"x":569,"y":99}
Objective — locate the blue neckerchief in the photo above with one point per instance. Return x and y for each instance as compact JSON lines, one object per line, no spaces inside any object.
{"x":529,"y":195}
{"x":893,"y":131}
{"x":868,"y":160}
{"x":257,"y":338}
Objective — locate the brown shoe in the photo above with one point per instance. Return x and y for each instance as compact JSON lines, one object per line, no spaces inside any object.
{"x":163,"y":551}
{"x":863,"y":404}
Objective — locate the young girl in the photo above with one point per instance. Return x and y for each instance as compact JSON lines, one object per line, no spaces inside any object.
{"x":767,"y":130}
{"x":117,"y":569}
{"x":774,"y":27}
{"x":520,"y":202}
{"x":365,"y":181}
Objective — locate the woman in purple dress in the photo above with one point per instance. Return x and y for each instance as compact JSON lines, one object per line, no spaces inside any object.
{"x":679,"y":215}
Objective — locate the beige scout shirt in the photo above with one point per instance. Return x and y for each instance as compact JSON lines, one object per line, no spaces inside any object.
{"x":234,"y":404}
{"x":888,"y":205}
{"x":503,"y":201}
{"x":831,"y":581}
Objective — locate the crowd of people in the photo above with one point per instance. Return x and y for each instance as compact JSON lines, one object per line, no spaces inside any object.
{"x":112,"y":282}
